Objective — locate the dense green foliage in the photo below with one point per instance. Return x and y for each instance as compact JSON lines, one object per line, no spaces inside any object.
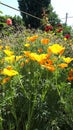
{"x":17,"y":24}
{"x":15,"y":19}
{"x":33,"y":7}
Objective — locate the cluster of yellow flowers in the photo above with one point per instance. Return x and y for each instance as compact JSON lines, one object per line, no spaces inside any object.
{"x":48,"y":60}
{"x":8,"y":58}
{"x":44,"y":59}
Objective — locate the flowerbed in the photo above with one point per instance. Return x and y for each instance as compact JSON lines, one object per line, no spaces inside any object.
{"x":36,"y":81}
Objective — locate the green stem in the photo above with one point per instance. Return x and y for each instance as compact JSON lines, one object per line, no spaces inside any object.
{"x":30,"y":113}
{"x":56,"y":79}
{"x":24,"y":91}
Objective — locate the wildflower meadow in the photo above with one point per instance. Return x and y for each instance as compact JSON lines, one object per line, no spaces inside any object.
{"x":36,"y":80}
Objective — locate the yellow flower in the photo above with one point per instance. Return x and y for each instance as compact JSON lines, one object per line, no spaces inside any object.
{"x":56,"y":49}
{"x":42,"y":58}
{"x":45,"y":41}
{"x":18,"y":57}
{"x":13,"y":58}
{"x":67,"y":59}
{"x":9,"y":71}
{"x":1,"y":47}
{"x":65,"y":39}
{"x":33,"y":56}
{"x":8,"y":52}
{"x":10,"y":59}
{"x":36,"y":57}
{"x":27,"y":45}
{"x":7,"y":47}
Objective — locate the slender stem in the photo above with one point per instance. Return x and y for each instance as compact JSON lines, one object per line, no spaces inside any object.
{"x":30,"y":113}
{"x":25,"y":93}
{"x":56,"y":79}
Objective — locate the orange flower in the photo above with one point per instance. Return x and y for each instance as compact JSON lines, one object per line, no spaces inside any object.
{"x":49,"y":62}
{"x":5,"y":80}
{"x":9,"y":67}
{"x":32,"y":38}
{"x":70,"y":77}
{"x":22,"y":64}
{"x":45,"y":41}
{"x":27,"y":60}
{"x":63,"y":65}
{"x":27,"y":53}
{"x":49,"y":67}
{"x":40,"y":50}
{"x":0,"y":70}
{"x":46,"y":62}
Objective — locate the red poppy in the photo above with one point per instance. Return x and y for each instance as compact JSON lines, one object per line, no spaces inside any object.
{"x":67,"y":36}
{"x":59,"y":25}
{"x":9,"y":21}
{"x":48,"y":28}
{"x":60,"y":30}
